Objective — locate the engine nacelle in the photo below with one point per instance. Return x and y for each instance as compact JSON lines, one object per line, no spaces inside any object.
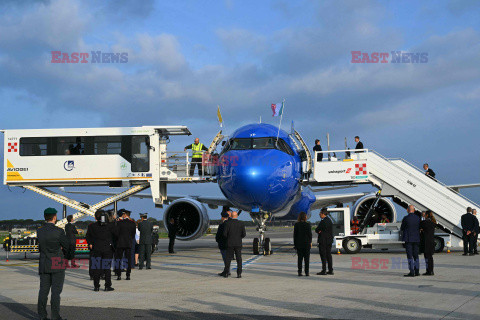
{"x":190,"y":217}
{"x":384,"y":206}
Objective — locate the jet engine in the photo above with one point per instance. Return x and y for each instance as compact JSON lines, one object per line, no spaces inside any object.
{"x":384,"y":206}
{"x":190,"y":217}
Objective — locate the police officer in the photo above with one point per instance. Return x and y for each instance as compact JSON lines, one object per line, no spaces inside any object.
{"x":234,"y":232}
{"x":325,"y":239}
{"x":71,"y":233}
{"x":468,"y":228}
{"x":221,"y":239}
{"x":51,"y":267}
{"x":100,"y":239}
{"x":172,"y":233}
{"x":145,"y":243}
{"x":411,"y":236}
{"x":197,"y":149}
{"x":476,"y":230}
{"x":125,"y":232}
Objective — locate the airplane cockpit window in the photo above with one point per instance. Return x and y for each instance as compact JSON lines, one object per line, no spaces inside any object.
{"x":283,"y":146}
{"x":241,"y":144}
{"x":263,"y":143}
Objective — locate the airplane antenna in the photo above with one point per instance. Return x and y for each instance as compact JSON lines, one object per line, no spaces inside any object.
{"x":260,"y":119}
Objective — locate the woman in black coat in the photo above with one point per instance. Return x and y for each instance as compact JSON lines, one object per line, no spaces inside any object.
{"x":302,"y":240}
{"x":427,"y":228}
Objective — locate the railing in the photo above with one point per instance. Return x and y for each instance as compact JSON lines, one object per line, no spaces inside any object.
{"x":354,"y":154}
{"x":181,"y":162}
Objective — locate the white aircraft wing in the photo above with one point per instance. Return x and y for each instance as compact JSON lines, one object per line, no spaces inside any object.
{"x":336,"y":199}
{"x":457,"y":187}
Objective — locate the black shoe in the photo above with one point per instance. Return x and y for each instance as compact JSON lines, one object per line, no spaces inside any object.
{"x":148,"y":268}
{"x":96,"y":289}
{"x":307,"y":274}
{"x":239,"y":276}
{"x":119,"y":278}
{"x":322,"y":273}
{"x":127,"y":278}
{"x":221,"y":274}
{"x":465,"y":254}
{"x":109,"y":289}
{"x":428,"y":274}
{"x":417,"y":274}
{"x":300,"y":274}
{"x":409,"y":274}
{"x":140,"y":268}
{"x":330,"y":272}
{"x":225,"y":275}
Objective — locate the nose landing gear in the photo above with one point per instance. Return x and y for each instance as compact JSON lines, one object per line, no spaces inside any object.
{"x":261,"y":245}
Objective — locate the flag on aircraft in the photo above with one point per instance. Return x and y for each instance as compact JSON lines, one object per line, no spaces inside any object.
{"x":219,"y":116}
{"x":277,"y":109}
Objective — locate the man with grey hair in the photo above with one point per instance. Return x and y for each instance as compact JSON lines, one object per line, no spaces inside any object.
{"x":411,"y":236}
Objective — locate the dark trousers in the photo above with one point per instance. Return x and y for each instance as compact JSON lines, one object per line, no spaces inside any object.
{"x":53,"y":281}
{"x":71,"y":252}
{"x":238,"y":253}
{"x":196,"y":162}
{"x":412,"y":249}
{"x":171,"y":243}
{"x":90,"y":270}
{"x":223,"y":252}
{"x":429,"y":260}
{"x":145,"y":254}
{"x":474,"y":245}
{"x":468,"y":242}
{"x":123,"y":260}
{"x":303,"y":256}
{"x":101,"y":264}
{"x":326,"y":256}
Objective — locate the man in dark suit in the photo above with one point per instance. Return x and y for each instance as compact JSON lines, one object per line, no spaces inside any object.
{"x":172,"y":234}
{"x":145,"y":243}
{"x":477,"y":230}
{"x":51,"y":267}
{"x":222,"y":240}
{"x":429,"y":172}
{"x":302,"y":241}
{"x":427,"y":228}
{"x":125,"y":232}
{"x":71,"y":233}
{"x":359,"y":144}
{"x":318,"y":148}
{"x":468,"y":227}
{"x":234,"y":232}
{"x":325,"y":239}
{"x":411,"y":236}
{"x":100,"y":239}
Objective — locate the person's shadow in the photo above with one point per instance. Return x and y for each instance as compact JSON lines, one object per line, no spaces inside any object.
{"x":17,"y":308}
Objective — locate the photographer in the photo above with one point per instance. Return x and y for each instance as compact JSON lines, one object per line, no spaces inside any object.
{"x":100,"y":240}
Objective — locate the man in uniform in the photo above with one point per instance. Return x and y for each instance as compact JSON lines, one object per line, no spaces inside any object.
{"x":145,"y":250}
{"x":234,"y":232}
{"x":125,"y":231}
{"x":71,"y":232}
{"x":325,"y":239}
{"x":468,"y":227}
{"x":197,"y":153}
{"x":100,"y":239}
{"x":411,"y":236}
{"x":221,"y":240}
{"x":172,"y":233}
{"x":51,"y":267}
{"x":476,"y":230}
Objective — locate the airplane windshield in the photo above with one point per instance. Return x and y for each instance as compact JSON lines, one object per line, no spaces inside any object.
{"x":258,"y":143}
{"x":263,"y":143}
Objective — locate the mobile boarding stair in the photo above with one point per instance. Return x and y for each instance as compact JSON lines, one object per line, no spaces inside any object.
{"x":398,"y":179}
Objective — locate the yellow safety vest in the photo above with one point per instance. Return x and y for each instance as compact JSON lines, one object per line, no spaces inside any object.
{"x":197,"y":150}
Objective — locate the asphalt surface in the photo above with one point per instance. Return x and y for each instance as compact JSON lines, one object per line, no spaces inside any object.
{"x":369,"y":285}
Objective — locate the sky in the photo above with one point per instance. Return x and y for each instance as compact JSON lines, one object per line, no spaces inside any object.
{"x":187,"y":57}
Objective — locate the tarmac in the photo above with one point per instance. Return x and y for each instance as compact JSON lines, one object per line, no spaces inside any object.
{"x":185,"y":285}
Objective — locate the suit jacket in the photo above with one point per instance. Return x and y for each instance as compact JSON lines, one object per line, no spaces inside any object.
{"x":220,"y":238}
{"x":100,"y":236}
{"x":468,"y":222}
{"x":71,"y":231}
{"x":325,"y":231}
{"x":428,"y":229}
{"x":302,"y":235}
{"x":172,"y":230}
{"x":51,"y":240}
{"x":411,"y":228}
{"x":319,"y":155}
{"x":234,"y":232}
{"x":359,"y":146}
{"x":125,"y":232}
{"x":146,"y":232}
{"x":477,"y":227}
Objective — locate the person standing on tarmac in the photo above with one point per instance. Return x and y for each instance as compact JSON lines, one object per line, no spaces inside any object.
{"x":427,"y":227}
{"x":234,"y":232}
{"x":476,"y":230}
{"x":197,"y":156}
{"x":411,"y":236}
{"x":172,"y":234}
{"x":71,"y":233}
{"x":468,"y":227}
{"x":100,"y":239}
{"x":145,"y":243}
{"x":51,"y":266}
{"x":325,"y":240}
{"x":125,"y":231}
{"x":222,"y":240}
{"x":302,"y":240}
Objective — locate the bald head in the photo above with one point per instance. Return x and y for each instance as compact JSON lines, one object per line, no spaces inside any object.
{"x":411,"y":209}
{"x":197,"y":140}
{"x":234,"y":214}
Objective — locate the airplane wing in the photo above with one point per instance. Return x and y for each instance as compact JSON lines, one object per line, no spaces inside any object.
{"x":336,"y":199}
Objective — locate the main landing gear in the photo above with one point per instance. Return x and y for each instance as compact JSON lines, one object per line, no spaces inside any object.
{"x":261,"y":245}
